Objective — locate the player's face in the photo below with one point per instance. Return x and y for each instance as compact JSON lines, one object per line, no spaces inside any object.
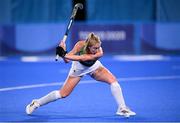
{"x":94,"y":49}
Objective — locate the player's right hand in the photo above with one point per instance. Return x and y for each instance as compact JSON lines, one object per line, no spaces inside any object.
{"x":63,"y":45}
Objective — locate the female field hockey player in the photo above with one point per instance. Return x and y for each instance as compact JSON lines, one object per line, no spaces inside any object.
{"x":84,"y":57}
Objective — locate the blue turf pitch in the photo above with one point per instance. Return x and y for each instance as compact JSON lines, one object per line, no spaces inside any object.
{"x":151,"y":88}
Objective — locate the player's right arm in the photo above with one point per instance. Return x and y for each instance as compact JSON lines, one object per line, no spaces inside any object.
{"x":77,"y":47}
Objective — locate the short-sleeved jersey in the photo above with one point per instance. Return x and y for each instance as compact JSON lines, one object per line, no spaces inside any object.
{"x":88,"y":63}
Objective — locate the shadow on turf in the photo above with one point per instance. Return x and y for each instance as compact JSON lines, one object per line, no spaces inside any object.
{"x":66,"y":118}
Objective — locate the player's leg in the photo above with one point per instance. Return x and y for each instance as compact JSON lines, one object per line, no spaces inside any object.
{"x":67,"y":88}
{"x":69,"y":85}
{"x":104,"y":75}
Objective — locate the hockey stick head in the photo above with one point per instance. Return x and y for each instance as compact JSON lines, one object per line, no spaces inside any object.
{"x":79,"y":5}
{"x":76,"y":7}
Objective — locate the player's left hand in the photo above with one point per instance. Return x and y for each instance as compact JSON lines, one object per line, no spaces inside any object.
{"x":60,"y":51}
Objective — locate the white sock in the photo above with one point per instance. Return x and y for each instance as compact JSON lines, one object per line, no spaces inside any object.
{"x":52,"y":96}
{"x":117,"y":93}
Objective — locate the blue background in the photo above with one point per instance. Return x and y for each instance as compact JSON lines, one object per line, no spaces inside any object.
{"x":35,"y":27}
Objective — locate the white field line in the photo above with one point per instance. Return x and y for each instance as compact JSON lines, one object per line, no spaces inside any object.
{"x":91,"y":82}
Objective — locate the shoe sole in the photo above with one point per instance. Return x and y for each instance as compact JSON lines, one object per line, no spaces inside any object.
{"x":125,"y":115}
{"x":27,"y":110}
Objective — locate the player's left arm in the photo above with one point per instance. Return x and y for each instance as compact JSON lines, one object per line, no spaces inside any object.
{"x":85,"y":57}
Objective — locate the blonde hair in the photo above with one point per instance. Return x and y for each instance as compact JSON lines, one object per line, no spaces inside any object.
{"x":91,"y":40}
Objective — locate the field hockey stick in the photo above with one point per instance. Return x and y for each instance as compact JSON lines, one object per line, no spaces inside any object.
{"x":75,"y":9}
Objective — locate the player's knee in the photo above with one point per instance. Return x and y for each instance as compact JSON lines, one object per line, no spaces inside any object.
{"x":112,"y":80}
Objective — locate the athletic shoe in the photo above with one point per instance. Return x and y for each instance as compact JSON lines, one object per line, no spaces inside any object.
{"x":126,"y":112}
{"x":32,"y":106}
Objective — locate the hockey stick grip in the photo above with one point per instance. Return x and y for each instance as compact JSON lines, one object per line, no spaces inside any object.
{"x":64,"y":39}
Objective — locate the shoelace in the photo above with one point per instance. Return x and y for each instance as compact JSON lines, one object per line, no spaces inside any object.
{"x":31,"y":104}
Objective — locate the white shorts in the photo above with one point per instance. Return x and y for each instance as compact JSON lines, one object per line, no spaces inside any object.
{"x":77,"y":69}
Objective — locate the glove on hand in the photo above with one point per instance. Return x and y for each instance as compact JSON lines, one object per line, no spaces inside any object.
{"x":60,"y":51}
